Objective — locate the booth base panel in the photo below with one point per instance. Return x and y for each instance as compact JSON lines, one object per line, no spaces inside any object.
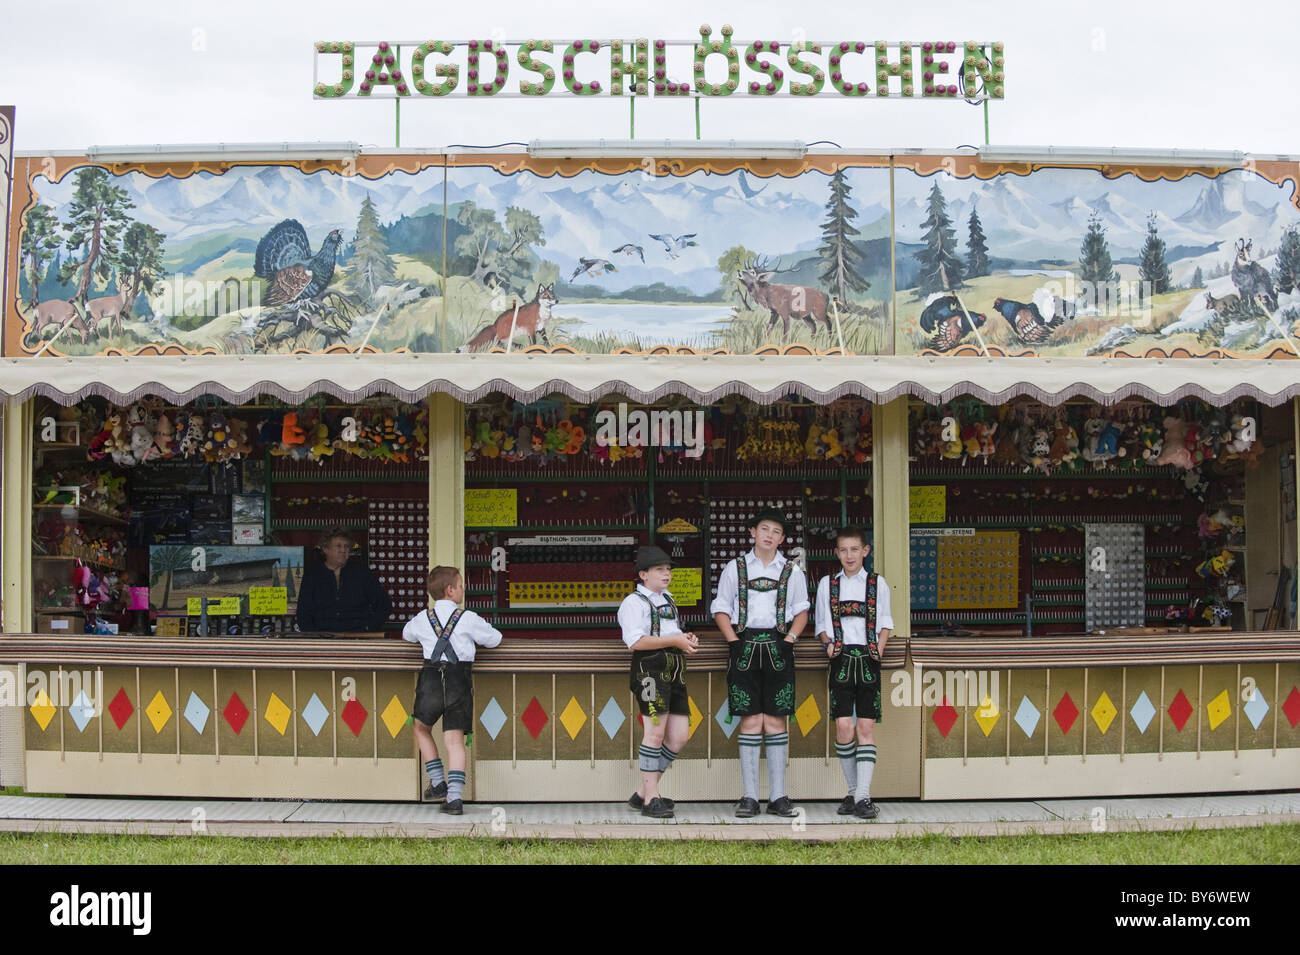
{"x":234,"y":777}
{"x":1135,"y":774}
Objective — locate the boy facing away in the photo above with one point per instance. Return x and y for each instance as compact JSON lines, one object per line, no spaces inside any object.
{"x":449,"y":637}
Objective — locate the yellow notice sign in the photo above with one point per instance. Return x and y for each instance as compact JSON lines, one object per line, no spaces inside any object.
{"x":688,"y":586}
{"x":491,"y":507}
{"x":268,"y":600}
{"x":225,"y":606}
{"x":928,"y":505}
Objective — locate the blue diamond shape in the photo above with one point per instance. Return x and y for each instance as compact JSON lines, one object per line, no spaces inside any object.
{"x":315,"y":714}
{"x":81,"y":711}
{"x":723,"y":716}
{"x":611,"y":718}
{"x":1027,"y":716}
{"x":1142,"y":711}
{"x":1256,"y":709}
{"x":493,"y":718}
{"x":196,"y":712}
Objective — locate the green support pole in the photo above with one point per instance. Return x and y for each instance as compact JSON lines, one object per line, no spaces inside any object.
{"x":397,"y":108}
{"x":631,"y":117}
{"x":697,"y":117}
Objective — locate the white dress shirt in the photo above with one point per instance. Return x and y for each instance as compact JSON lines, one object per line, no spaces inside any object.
{"x":471,"y":630}
{"x":853,"y":628}
{"x":634,"y":615}
{"x":761,"y":610}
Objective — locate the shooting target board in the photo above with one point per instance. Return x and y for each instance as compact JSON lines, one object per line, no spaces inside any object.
{"x":1115,"y":579}
{"x":729,"y":519}
{"x":959,"y":568}
{"x":397,"y":533}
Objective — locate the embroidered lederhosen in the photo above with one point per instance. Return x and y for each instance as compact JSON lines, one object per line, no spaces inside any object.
{"x":444,"y":689}
{"x":660,"y":673}
{"x":855,"y":608}
{"x":760,"y":670}
{"x":854,"y":673}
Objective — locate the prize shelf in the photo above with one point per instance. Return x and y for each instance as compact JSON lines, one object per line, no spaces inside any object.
{"x":85,"y":515}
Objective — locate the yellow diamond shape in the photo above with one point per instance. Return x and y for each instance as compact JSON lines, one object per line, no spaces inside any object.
{"x":158,"y":711}
{"x":987,"y":715}
{"x":394,"y":716}
{"x":808,"y":715}
{"x":573,"y":718}
{"x":696,"y":716}
{"x":277,"y":714}
{"x":1219,"y":709}
{"x":43,"y":710}
{"x":1103,"y":711}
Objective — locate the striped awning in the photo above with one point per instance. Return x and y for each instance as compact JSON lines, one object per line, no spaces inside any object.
{"x":702,"y":378}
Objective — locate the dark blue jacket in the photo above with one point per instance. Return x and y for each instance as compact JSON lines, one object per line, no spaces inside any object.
{"x":357,"y":602}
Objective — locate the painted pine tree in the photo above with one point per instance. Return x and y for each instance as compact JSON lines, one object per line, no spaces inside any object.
{"x":841,"y":260}
{"x":372,"y":266}
{"x":40,"y":244}
{"x":1287,"y":272}
{"x":941,"y":269}
{"x":141,"y":264}
{"x":291,"y":589}
{"x":1198,"y":278}
{"x":977,"y":261}
{"x":96,"y":218}
{"x":1153,"y":268}
{"x":1094,"y":255}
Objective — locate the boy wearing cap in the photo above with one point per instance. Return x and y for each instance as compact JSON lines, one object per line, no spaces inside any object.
{"x":649,"y":621}
{"x":853,"y":622}
{"x":761,"y":607}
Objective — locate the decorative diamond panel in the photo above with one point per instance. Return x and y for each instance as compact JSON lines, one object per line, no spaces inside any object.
{"x":808,"y":715}
{"x":1142,"y":711}
{"x":1291,"y":708}
{"x":1256,"y":708}
{"x":944,"y":716}
{"x":611,"y":718}
{"x":725,"y":720}
{"x":1180,"y":710}
{"x":493,"y":718}
{"x":120,"y":708}
{"x":1065,"y":714}
{"x":1027,"y":716}
{"x":81,"y":711}
{"x":695,"y":717}
{"x":1103,"y":712}
{"x":158,"y":711}
{"x":394,"y":716}
{"x":1218,"y":709}
{"x":574,"y":718}
{"x":43,"y":710}
{"x":534,"y":718}
{"x":277,"y":713}
{"x":196,"y":712}
{"x":314,"y":714}
{"x":987,"y":714}
{"x":354,"y":714}
{"x":235,"y":713}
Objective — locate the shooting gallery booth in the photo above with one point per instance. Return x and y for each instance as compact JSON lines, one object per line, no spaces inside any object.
{"x":1076,"y":470}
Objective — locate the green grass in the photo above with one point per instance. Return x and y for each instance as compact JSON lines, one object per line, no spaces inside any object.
{"x":1277,"y":844}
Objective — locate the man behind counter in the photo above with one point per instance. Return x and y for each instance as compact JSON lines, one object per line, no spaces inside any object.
{"x":341,"y":596}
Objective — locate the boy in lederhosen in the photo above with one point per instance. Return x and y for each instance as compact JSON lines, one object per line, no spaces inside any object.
{"x":853,"y":622}
{"x":448,"y":636}
{"x":651,"y":629}
{"x":761,"y":607}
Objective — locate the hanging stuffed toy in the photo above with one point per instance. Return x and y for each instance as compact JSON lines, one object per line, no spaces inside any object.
{"x":1175,"y":445}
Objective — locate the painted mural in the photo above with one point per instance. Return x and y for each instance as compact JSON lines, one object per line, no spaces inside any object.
{"x":510,"y":254}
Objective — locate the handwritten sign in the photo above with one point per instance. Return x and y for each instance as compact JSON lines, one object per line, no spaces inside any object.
{"x":927,"y":505}
{"x":491,"y":507}
{"x":225,"y":606}
{"x":170,"y":627}
{"x":688,"y":586}
{"x":268,"y":600}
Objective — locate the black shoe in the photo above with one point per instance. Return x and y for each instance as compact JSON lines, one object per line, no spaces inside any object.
{"x":846,"y":807}
{"x":747,"y":807}
{"x":781,"y":807}
{"x":866,"y":809}
{"x":635,"y":801}
{"x":436,"y":793}
{"x":657,"y":808}
{"x":453,"y":808}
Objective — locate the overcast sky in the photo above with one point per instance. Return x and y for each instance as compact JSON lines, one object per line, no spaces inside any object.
{"x":1136,"y":73}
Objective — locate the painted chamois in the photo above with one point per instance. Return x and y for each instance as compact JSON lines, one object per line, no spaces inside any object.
{"x":59,"y":313}
{"x":1223,"y":306}
{"x":785,"y":301}
{"x":532,"y":319}
{"x":1252,"y":279}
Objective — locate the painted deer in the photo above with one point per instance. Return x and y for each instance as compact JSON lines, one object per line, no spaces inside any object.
{"x":532,"y":319}
{"x":1225,"y":305}
{"x":784,"y":301}
{"x":110,"y":307}
{"x":1252,"y":279}
{"x":59,"y":313}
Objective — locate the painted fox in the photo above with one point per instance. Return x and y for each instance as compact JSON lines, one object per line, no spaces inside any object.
{"x":532,"y":319}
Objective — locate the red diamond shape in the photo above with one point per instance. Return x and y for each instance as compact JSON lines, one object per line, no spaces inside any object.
{"x":944,"y":716}
{"x":354,"y":714}
{"x":1065,"y":713}
{"x":121,"y":709}
{"x":236,"y":713}
{"x":1180,"y":710}
{"x":1292,"y":707}
{"x":534,"y":718}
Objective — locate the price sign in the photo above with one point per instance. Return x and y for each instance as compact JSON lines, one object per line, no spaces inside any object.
{"x":688,"y":586}
{"x":927,"y":505}
{"x":224,"y":606}
{"x":268,"y":600}
{"x":491,"y":507}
